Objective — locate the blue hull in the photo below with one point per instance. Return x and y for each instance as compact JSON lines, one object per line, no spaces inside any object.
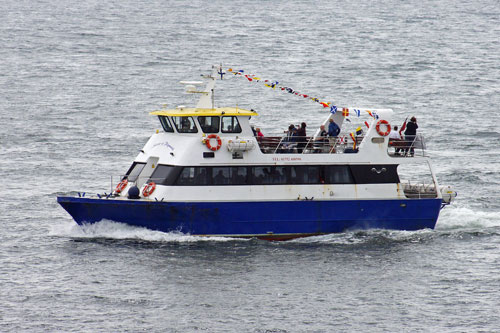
{"x":268,"y":220}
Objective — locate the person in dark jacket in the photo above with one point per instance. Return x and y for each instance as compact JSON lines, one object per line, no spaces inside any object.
{"x":289,"y":142}
{"x":333,"y":129}
{"x":410,"y":135}
{"x":301,"y":138}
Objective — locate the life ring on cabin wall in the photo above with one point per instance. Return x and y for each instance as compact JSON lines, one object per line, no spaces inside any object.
{"x":216,"y":137}
{"x":146,"y":192}
{"x":121,"y":186}
{"x":386,"y":123}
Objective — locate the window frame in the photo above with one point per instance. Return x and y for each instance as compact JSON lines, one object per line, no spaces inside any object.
{"x":239,"y":130}
{"x":131,"y":169}
{"x":165,"y":123}
{"x":211,"y":131}
{"x":173,"y":118}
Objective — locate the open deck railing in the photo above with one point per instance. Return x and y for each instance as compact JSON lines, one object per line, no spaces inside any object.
{"x":407,"y":148}
{"x":335,"y":145}
{"x":306,"y":145}
{"x":419,"y":190}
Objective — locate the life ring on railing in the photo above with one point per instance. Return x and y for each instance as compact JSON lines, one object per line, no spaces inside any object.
{"x":121,"y":186}
{"x":146,"y":192}
{"x":219,"y":142}
{"x":386,"y":123}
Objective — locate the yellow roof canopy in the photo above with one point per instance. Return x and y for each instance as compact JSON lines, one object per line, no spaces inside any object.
{"x":228,"y":111}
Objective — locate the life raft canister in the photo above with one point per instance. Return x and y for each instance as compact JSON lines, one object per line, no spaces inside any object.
{"x":386,"y":123}
{"x":146,"y":192}
{"x":216,"y":137}
{"x":121,"y":186}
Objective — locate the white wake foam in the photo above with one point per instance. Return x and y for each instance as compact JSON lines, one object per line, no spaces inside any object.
{"x":462,"y":217}
{"x":115,"y":230}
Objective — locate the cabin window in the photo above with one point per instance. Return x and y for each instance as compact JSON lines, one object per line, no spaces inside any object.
{"x":134,"y":171}
{"x":194,"y":176}
{"x":229,"y":175}
{"x":185,"y":124}
{"x":338,"y":174}
{"x":209,"y":124}
{"x":307,"y":174}
{"x":165,"y":123}
{"x":275,"y":175}
{"x":230,"y":124}
{"x":164,"y":174}
{"x":262,"y":175}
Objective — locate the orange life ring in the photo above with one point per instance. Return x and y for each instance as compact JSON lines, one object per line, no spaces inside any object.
{"x":219,"y":142}
{"x":146,"y":192}
{"x":121,"y":186}
{"x":386,"y":123}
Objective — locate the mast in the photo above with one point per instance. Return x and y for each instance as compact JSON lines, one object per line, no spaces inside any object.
{"x":206,"y":100}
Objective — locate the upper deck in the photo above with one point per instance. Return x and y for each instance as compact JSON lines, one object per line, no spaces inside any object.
{"x":206,"y":134}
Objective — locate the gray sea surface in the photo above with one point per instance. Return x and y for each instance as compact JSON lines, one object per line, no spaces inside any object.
{"x":77,"y":80}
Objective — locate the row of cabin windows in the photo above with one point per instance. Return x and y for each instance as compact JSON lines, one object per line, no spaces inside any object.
{"x":268,"y":175}
{"x":214,"y":124}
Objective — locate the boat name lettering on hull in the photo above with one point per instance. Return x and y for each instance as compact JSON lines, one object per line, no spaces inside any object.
{"x":278,"y":159}
{"x":166,"y":144}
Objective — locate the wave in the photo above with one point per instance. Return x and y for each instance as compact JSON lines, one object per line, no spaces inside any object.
{"x":452,"y":220}
{"x":120,"y":231}
{"x":463,"y":217}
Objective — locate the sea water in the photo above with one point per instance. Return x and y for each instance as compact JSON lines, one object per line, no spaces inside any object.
{"x":77,"y":80}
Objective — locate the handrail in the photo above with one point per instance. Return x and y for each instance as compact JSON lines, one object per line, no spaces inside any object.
{"x":419,"y":190}
{"x":305,"y":144}
{"x":407,"y":148}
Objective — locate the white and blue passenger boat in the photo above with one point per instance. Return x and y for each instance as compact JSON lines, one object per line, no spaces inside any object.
{"x":206,"y":173}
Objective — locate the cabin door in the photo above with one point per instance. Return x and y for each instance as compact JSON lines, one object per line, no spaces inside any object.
{"x":147,"y":171}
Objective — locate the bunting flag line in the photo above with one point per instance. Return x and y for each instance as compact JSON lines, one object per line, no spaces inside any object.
{"x":275,"y":84}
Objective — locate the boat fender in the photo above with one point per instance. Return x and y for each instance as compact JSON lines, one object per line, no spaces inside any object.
{"x":121,"y":186}
{"x":216,"y":137}
{"x":386,"y":123}
{"x":148,"y":189}
{"x":133,"y":192}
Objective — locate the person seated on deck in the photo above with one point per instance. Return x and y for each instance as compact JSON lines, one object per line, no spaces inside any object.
{"x":321,"y":140}
{"x":395,"y":140}
{"x":301,"y":138}
{"x":219,"y":179}
{"x":259,"y":134}
{"x":289,"y":141}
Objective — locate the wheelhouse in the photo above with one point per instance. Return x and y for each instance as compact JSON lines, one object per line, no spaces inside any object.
{"x":209,"y":121}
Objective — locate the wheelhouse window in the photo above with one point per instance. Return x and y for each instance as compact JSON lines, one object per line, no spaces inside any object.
{"x":185,"y":124}
{"x":134,"y":171}
{"x":165,"y":123}
{"x":209,"y":124}
{"x":230,"y":124}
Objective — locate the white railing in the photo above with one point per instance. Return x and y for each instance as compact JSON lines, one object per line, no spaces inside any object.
{"x":307,"y":145}
{"x":407,"y":148}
